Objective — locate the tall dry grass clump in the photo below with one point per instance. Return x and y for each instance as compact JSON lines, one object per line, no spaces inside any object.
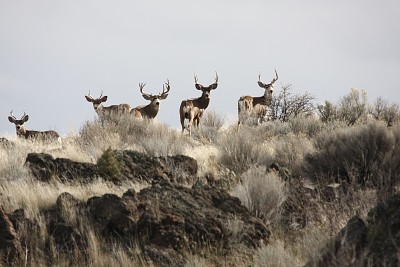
{"x":240,"y":149}
{"x":127,"y":132}
{"x":262,"y":193}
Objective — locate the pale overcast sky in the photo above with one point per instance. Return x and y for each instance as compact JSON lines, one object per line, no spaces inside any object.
{"x":53,"y":52}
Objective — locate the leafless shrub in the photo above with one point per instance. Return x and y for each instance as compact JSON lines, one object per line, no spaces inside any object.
{"x":353,"y":107}
{"x":382,"y":110}
{"x":262,"y":193}
{"x":287,"y":105}
{"x":327,"y":112}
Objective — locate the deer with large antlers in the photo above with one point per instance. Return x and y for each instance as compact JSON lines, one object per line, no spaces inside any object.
{"x":102,"y":110}
{"x":150,"y":111}
{"x":193,"y":109}
{"x":28,"y":134}
{"x":257,"y":107}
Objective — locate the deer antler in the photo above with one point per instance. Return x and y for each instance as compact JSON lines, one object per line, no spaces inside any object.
{"x":12,"y":115}
{"x":275,"y":79}
{"x":166,"y":86}
{"x":260,"y":83}
{"x":141,"y":86}
{"x":216,"y":77}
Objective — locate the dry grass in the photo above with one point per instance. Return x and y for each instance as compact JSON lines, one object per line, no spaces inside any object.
{"x":262,"y":193}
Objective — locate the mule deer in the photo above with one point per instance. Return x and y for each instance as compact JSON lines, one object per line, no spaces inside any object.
{"x":192,"y":109}
{"x":102,"y":110}
{"x":256,"y":107}
{"x":150,"y":111}
{"x":28,"y":134}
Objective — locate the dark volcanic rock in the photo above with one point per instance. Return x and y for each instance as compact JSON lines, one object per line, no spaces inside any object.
{"x":135,"y":166}
{"x":44,"y":167}
{"x":169,"y":217}
{"x":165,"y":220}
{"x":372,"y":244}
{"x":10,"y":246}
{"x":139,"y":166}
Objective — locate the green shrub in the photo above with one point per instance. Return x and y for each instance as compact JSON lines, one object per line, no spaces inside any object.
{"x":109,"y":166}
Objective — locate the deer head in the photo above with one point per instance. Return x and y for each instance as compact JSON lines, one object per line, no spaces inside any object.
{"x":155,"y":99}
{"x":151,"y":110}
{"x":96,"y":101}
{"x":269,"y":88}
{"x":19,"y":124}
{"x":206,"y":89}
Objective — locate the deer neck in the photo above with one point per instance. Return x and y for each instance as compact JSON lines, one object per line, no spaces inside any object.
{"x":99,"y":108}
{"x":202,"y":102}
{"x":22,"y":132}
{"x":151,"y":110}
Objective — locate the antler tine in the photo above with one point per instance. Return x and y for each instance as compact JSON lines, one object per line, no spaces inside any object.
{"x":167,"y":86}
{"x":195,"y":78}
{"x":216,"y":77}
{"x":101,"y":94}
{"x":12,"y":114}
{"x":259,"y":77}
{"x":275,"y":79}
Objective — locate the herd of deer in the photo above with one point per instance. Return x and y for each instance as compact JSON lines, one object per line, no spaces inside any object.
{"x":190,"y":109}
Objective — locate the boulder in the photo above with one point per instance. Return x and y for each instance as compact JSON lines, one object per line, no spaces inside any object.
{"x":134,"y":166}
{"x":45,"y":168}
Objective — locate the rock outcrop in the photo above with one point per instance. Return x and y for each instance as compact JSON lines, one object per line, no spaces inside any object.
{"x":371,"y":243}
{"x":132,"y":165}
{"x":164,"y":221}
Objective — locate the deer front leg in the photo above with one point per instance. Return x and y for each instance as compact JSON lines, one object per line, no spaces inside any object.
{"x":191,"y":119}
{"x":182,"y":116}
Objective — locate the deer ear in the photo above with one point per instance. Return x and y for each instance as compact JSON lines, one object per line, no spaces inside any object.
{"x":164,"y":96}
{"x":25,"y":118}
{"x":213,"y":86}
{"x":261,"y":84}
{"x":11,"y":119}
{"x":147,"y":97}
{"x":103,"y":99}
{"x":89,"y":99}
{"x":198,"y":86}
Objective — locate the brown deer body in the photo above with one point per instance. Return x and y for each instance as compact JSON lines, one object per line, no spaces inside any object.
{"x":256,"y":107}
{"x":106,"y":111}
{"x":193,"y":109}
{"x":29,"y":134}
{"x":150,"y":111}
